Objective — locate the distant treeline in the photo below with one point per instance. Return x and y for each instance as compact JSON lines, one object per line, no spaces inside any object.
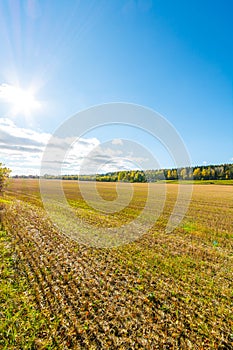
{"x":204,"y":172}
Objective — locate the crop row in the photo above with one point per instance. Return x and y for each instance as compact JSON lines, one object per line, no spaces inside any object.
{"x":99,"y":299}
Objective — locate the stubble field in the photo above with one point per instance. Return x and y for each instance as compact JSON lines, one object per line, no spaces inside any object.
{"x":162,"y":291}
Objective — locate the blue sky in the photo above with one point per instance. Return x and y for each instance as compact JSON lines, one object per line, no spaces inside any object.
{"x":174,"y":57}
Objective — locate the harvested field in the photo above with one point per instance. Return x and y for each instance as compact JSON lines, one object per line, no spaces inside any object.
{"x":163,"y":291}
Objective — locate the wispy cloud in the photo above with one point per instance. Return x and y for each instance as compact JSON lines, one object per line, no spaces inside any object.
{"x":23,"y":149}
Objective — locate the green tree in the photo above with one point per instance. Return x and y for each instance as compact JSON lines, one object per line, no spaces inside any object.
{"x":4,"y":174}
{"x":212,"y":174}
{"x":121,"y":176}
{"x":132,"y":176}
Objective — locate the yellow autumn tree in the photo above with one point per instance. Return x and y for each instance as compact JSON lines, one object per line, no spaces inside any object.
{"x":4,"y":175}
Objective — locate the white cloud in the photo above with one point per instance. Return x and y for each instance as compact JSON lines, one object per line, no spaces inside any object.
{"x":117,"y":142}
{"x":22,"y":149}
{"x":109,"y":157}
{"x":11,"y":134}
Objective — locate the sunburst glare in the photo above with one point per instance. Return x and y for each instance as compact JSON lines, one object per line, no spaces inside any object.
{"x":21,"y":100}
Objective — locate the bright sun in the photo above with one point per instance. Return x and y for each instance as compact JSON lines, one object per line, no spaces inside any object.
{"x":22,"y":101}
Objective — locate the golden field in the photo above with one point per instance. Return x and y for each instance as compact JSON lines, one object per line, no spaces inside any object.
{"x":161,"y":291}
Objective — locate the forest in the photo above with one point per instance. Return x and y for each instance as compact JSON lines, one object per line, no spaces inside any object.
{"x":204,"y":172}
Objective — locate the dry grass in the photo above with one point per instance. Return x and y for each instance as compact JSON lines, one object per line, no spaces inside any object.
{"x":164,"y":291}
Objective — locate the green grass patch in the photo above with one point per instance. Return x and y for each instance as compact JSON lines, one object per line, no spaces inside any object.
{"x":199,"y":182}
{"x":5,"y":201}
{"x":189,"y":227}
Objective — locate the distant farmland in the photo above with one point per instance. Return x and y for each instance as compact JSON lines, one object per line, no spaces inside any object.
{"x":162,"y":291}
